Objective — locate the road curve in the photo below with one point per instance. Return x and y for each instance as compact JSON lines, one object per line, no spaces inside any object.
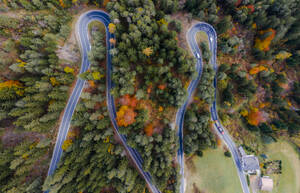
{"x":212,"y":37}
{"x":82,"y":36}
{"x":190,"y":36}
{"x":83,"y":39}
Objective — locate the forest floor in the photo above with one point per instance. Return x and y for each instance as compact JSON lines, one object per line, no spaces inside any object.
{"x":186,"y":25}
{"x":201,"y":37}
{"x":289,"y":180}
{"x":212,"y":173}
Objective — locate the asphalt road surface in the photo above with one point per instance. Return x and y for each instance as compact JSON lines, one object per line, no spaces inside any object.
{"x":222,"y":132}
{"x":83,"y":39}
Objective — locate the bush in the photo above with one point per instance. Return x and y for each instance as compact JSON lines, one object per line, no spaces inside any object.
{"x":227,"y":154}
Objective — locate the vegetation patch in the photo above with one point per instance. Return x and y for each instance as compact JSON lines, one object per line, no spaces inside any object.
{"x":201,"y":36}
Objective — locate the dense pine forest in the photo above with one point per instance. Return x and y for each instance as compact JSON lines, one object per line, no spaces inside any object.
{"x":258,"y":88}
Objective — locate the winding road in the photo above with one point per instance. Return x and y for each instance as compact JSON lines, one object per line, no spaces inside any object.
{"x":221,"y":131}
{"x":83,"y":39}
{"x":190,"y":36}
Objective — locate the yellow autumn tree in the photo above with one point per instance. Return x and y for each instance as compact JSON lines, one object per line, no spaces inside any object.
{"x":283,"y":55}
{"x":162,"y":22}
{"x":111,"y":28}
{"x":21,"y":63}
{"x":106,"y":140}
{"x":67,"y":143}
{"x":125,"y":116}
{"x":61,"y":2}
{"x":25,"y":155}
{"x":72,"y":134}
{"x":263,"y":105}
{"x":186,"y":84}
{"x":109,"y":149}
{"x":53,"y":81}
{"x":244,"y":113}
{"x":67,"y":69}
{"x":11,"y":84}
{"x":148,"y":51}
{"x":263,"y":44}
{"x":97,"y":76}
{"x":257,"y":69}
{"x":160,"y":108}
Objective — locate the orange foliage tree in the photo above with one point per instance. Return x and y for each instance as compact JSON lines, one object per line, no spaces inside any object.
{"x":149,"y":130}
{"x":257,"y":69}
{"x":67,"y":143}
{"x":10,"y":84}
{"x":238,"y":2}
{"x":264,"y":44}
{"x":105,"y":2}
{"x":92,"y":83}
{"x":125,"y":116}
{"x":112,"y":41}
{"x":162,"y":86}
{"x":160,"y":109}
{"x":255,"y":117}
{"x":127,"y":100}
{"x":149,"y":89}
{"x":251,"y":7}
{"x":61,"y":2}
{"x":16,"y":87}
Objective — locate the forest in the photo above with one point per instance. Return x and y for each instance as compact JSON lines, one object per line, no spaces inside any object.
{"x":258,"y":88}
{"x":258,"y":52}
{"x":33,"y":92}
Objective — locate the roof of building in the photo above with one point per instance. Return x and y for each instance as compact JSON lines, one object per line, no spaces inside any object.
{"x":266,"y":183}
{"x":250,"y":163}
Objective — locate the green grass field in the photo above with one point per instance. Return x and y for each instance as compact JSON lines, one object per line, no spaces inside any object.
{"x":289,"y":180}
{"x":212,"y":173}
